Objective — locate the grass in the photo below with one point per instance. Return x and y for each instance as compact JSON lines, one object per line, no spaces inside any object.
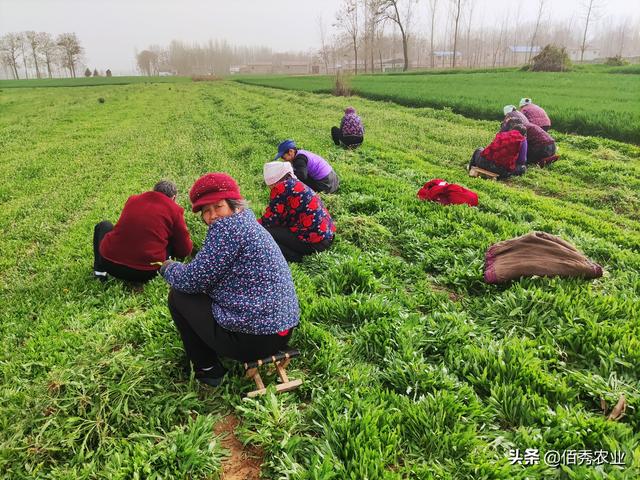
{"x":87,"y":81}
{"x":414,"y":368}
{"x":586,"y":102}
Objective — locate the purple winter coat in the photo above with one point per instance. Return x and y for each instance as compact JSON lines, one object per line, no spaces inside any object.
{"x":536,"y":115}
{"x":514,"y":115}
{"x":351,"y":123}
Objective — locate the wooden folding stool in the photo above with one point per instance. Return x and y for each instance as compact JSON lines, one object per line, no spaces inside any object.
{"x":482,"y":173}
{"x":280,"y":361}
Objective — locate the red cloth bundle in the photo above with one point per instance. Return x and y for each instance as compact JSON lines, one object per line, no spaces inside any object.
{"x":437,"y":190}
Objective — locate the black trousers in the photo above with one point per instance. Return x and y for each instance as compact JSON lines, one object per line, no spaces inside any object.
{"x":204,"y":340}
{"x":350,"y":141}
{"x":101,"y":264}
{"x":328,"y":184}
{"x":291,"y":247}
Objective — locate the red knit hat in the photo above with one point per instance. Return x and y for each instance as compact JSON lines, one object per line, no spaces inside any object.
{"x":211,"y":188}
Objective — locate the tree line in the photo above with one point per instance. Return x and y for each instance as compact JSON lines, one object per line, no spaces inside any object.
{"x":210,"y":58}
{"x":33,"y":54}
{"x":365,"y":31}
{"x":374,"y":35}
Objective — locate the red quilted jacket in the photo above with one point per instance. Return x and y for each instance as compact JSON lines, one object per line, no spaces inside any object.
{"x":437,"y":190}
{"x":504,"y":149}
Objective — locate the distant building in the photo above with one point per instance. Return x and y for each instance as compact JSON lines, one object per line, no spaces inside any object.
{"x":393,"y":64}
{"x":257,"y":68}
{"x":287,"y":67}
{"x":166,"y":73}
{"x":349,"y":66}
{"x":525,"y":49}
{"x":443,"y":57}
{"x":517,"y":54}
{"x":589,"y":54}
{"x":294,"y":68}
{"x":446,"y":53}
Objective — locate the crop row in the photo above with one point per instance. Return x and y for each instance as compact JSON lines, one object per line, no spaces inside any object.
{"x":587,"y":103}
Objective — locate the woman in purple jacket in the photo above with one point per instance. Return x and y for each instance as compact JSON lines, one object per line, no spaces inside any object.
{"x":310,"y":168}
{"x":351,"y":131}
{"x":541,"y":149}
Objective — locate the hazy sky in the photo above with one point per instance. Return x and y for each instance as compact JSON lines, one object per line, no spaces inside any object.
{"x":110,"y":30}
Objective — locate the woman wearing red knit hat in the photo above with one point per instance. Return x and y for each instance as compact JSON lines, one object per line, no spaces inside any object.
{"x":236,"y":298}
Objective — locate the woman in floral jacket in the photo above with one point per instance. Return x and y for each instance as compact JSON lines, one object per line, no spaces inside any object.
{"x":296,"y":218}
{"x":236,"y":298}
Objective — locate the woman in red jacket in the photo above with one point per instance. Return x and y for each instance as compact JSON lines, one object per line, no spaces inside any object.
{"x":150,"y":229}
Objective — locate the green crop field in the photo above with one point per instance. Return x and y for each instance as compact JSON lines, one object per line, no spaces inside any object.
{"x":587,"y":102}
{"x":87,"y":81}
{"x":414,"y":368}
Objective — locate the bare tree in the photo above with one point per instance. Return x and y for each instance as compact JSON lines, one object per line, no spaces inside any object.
{"x":10,"y":50}
{"x":23,"y":53}
{"x":48,"y":49}
{"x":622,"y":31}
{"x":379,"y":42}
{"x":366,"y":34}
{"x":147,"y":62}
{"x":457,"y":6}
{"x":590,"y":8}
{"x":468,"y":48}
{"x":347,"y":21}
{"x":479,"y":52}
{"x":324,"y":46}
{"x":70,"y":50}
{"x":516,"y":30}
{"x":33,"y":40}
{"x":535,"y":29}
{"x":433,"y":6}
{"x":374,"y":18}
{"x":392,"y":12}
{"x":496,"y":44}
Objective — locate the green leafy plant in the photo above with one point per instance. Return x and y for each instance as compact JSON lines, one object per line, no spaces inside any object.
{"x":413,"y":367}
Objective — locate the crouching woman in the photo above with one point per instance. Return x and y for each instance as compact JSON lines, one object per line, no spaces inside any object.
{"x":351,"y":131}
{"x":296,"y":218}
{"x":236,"y":298}
{"x":506,"y":155}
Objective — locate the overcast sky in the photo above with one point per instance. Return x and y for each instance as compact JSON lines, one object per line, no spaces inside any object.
{"x":111,"y":30}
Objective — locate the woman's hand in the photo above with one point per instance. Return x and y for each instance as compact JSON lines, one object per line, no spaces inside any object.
{"x":164,"y":266}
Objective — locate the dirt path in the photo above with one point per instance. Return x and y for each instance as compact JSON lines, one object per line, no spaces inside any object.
{"x":243,"y":463}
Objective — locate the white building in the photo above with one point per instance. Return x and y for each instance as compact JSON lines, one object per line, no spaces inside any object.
{"x":517,"y":54}
{"x":589,"y":54}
